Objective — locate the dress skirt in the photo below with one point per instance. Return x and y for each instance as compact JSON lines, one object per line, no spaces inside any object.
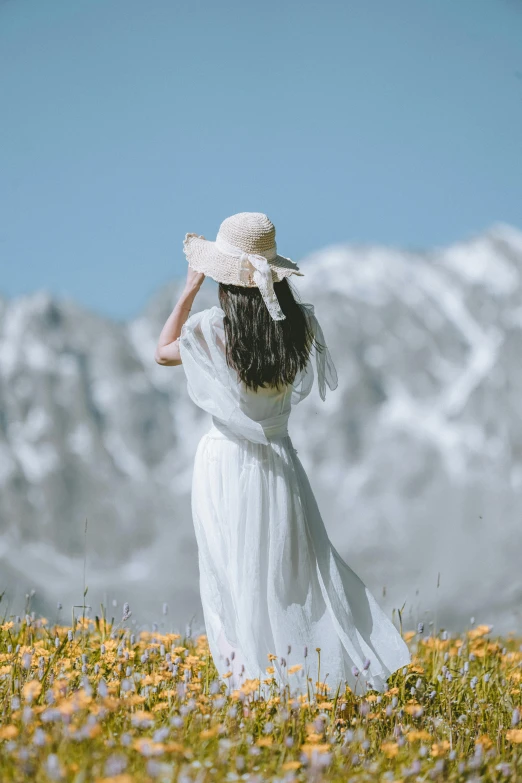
{"x":271,"y":581}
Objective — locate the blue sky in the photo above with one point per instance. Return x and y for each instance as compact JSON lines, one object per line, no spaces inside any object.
{"x":127,"y":123}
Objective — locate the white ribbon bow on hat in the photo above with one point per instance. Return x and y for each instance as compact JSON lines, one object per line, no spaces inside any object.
{"x":262,"y":274}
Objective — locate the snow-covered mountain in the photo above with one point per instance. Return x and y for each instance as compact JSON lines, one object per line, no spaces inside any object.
{"x":416,"y":458}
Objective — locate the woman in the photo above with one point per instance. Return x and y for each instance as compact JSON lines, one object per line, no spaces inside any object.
{"x":271,"y":581}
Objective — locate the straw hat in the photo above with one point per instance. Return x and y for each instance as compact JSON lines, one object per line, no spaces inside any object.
{"x":244,"y":253}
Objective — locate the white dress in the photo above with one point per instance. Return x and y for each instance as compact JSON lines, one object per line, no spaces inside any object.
{"x":270,"y":577}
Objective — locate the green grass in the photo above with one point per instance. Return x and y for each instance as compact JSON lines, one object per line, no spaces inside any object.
{"x":96,"y":703}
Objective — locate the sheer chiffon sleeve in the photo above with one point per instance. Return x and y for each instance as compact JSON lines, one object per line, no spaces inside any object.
{"x":211,"y":383}
{"x":325,"y":368}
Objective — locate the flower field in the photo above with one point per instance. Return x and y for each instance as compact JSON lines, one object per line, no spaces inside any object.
{"x":105,"y":702}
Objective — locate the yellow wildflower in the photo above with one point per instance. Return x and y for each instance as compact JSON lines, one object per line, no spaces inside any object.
{"x":390,"y":749}
{"x":161,"y":705}
{"x":320,"y":747}
{"x":175,"y":747}
{"x":288,"y":765}
{"x":311,"y":736}
{"x":416,"y":736}
{"x":8,"y":732}
{"x":209,"y":733}
{"x":413,"y":709}
{"x":31,"y":690}
{"x":116,"y":779}
{"x":480,"y":630}
{"x":439,"y":748}
{"x":249,"y":686}
{"x":133,"y":699}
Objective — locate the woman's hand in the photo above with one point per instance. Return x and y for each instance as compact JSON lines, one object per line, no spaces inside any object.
{"x":194,"y":280}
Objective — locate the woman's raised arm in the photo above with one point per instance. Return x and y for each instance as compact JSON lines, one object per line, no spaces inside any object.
{"x":167,"y":349}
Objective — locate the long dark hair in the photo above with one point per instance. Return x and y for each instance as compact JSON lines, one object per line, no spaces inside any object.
{"x":265,"y":352}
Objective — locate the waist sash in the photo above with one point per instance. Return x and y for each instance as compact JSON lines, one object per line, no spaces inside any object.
{"x":273,"y":427}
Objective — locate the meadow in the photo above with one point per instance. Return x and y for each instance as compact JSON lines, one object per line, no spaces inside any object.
{"x":100,"y":700}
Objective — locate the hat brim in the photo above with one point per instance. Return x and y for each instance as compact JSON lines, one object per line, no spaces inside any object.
{"x":203,"y":256}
